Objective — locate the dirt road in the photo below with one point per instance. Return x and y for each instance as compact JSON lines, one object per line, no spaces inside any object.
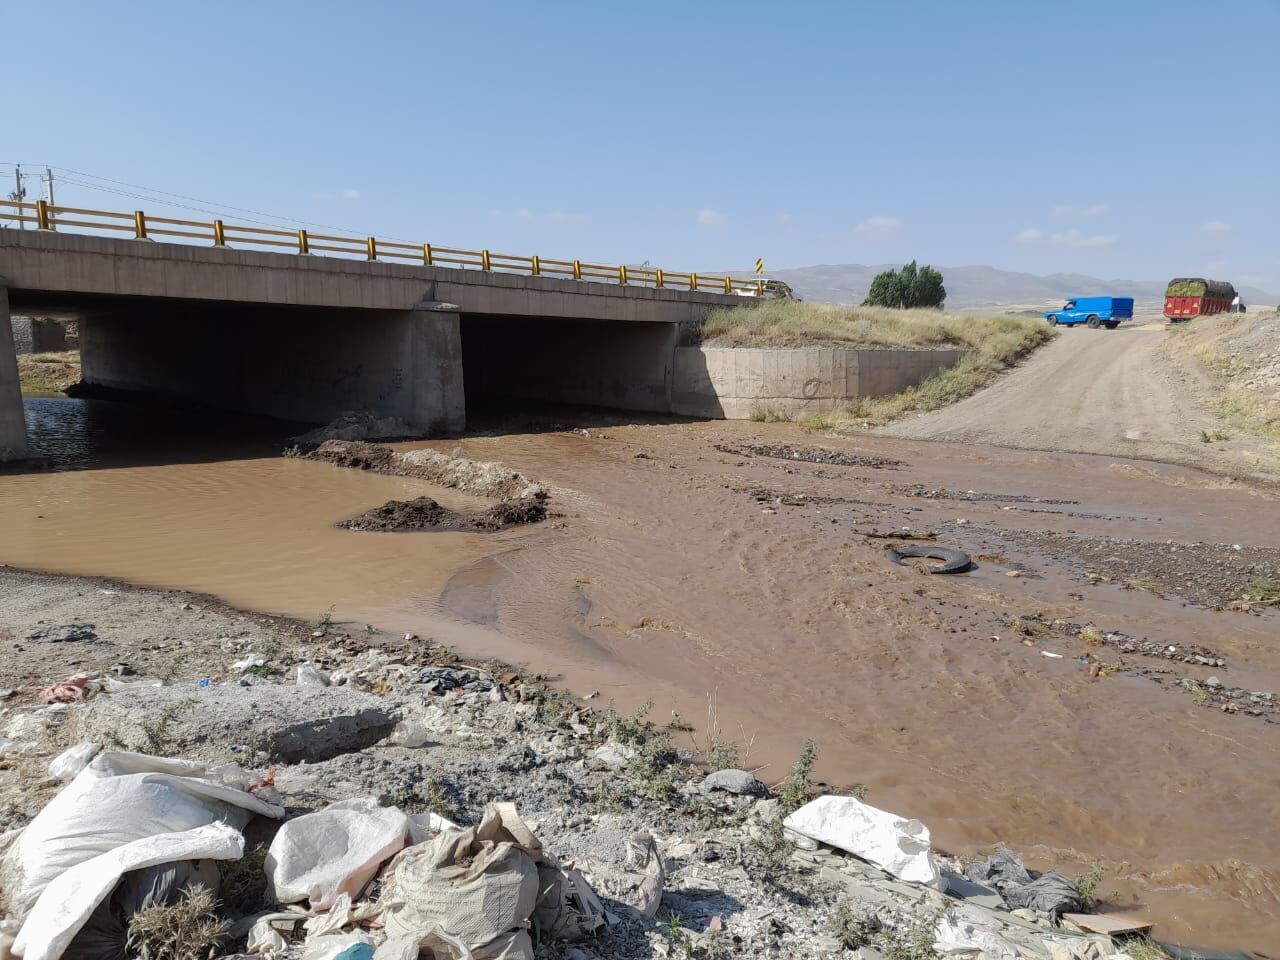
{"x":1118,"y":393}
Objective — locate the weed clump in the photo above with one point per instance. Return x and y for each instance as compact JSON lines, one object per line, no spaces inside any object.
{"x":186,"y":930}
{"x":797,"y":789}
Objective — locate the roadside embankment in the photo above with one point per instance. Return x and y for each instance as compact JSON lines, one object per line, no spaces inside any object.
{"x":890,"y":362}
{"x":342,"y":778}
{"x":1241,"y":353}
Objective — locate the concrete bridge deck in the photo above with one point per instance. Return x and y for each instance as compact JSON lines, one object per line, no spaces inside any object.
{"x":308,"y":337}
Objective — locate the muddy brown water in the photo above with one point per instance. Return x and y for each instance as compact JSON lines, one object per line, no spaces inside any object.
{"x":665,"y":579}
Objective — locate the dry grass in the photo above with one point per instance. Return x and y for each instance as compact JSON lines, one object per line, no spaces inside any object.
{"x":994,"y":344}
{"x":186,"y":930}
{"x":45,"y":373}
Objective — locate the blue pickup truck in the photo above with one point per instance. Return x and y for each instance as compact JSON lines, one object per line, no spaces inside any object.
{"x":1095,"y":311}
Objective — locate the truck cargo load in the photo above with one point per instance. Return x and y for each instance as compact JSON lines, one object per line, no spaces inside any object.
{"x":1188,"y":297}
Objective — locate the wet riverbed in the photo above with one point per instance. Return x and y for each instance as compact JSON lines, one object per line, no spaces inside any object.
{"x":677,"y":569}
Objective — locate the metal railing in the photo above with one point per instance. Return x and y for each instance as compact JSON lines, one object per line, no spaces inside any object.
{"x":143,"y":226}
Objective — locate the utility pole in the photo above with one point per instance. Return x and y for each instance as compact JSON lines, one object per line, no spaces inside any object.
{"x":49,"y":173}
{"x":18,"y":193}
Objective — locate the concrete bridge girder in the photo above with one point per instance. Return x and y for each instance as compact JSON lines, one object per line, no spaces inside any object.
{"x":309,"y":337}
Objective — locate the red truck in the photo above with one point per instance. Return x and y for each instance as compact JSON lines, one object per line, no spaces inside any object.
{"x":1188,"y":297}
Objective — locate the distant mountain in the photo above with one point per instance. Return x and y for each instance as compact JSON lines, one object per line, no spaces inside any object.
{"x":970,"y":287}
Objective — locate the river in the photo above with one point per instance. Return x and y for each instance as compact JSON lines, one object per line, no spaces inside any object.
{"x":671,"y":572}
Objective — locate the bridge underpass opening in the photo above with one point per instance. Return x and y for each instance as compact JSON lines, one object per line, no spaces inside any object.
{"x":597,"y":363}
{"x":304,"y":364}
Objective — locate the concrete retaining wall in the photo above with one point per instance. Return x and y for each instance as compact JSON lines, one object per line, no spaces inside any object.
{"x":33,"y":335}
{"x":737,"y":382}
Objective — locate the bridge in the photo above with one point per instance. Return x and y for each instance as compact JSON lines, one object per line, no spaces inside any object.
{"x":305,"y":326}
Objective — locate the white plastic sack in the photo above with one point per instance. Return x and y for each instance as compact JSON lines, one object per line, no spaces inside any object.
{"x":68,"y":764}
{"x":72,"y":896}
{"x":118,"y":799}
{"x":898,"y":846}
{"x":264,"y":940}
{"x":335,"y":850}
{"x":964,"y":937}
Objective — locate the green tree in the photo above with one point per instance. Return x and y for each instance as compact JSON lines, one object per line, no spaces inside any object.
{"x":911,"y":286}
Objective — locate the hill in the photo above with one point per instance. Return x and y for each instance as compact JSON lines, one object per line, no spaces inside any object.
{"x":970,"y":287}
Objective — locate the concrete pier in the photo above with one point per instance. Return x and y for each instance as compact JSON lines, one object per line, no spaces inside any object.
{"x":13,"y":426}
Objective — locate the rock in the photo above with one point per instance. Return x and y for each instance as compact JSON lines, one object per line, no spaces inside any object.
{"x":1213,"y":682}
{"x":737,"y":782}
{"x":289,"y":724}
{"x":65,"y":633}
{"x":613,"y":755}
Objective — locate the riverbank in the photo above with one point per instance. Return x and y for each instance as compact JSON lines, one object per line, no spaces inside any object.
{"x":44,"y":374}
{"x":184,"y":675}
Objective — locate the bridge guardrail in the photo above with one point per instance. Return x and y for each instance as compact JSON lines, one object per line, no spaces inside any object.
{"x":143,"y":226}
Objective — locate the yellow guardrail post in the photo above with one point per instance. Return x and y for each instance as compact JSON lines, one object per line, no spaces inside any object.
{"x":426,"y":254}
{"x":622,"y":273}
{"x":42,"y":215}
{"x":759,"y":288}
{"x":535,"y":267}
{"x":371,"y":247}
{"x":693,"y":281}
{"x":304,"y":245}
{"x":577,"y":269}
{"x":657,"y":277}
{"x":484,"y":259}
{"x":139,"y":225}
{"x":219,"y":234}
{"x":728,"y":285}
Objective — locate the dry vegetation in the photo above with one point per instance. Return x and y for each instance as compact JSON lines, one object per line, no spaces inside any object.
{"x":994,"y":343}
{"x":1229,"y":346}
{"x":45,"y":373}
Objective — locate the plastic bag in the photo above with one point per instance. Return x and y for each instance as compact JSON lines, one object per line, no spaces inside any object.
{"x":568,"y":909}
{"x":336,"y":850}
{"x":475,"y":887}
{"x":150,"y":809}
{"x":898,"y":846}
{"x":69,"y":900}
{"x":67,"y":765}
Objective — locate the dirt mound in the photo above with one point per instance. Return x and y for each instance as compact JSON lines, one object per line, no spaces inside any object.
{"x":357,"y":426}
{"x":423,"y":513}
{"x":807,"y":454}
{"x":483,"y":478}
{"x":355,"y":454}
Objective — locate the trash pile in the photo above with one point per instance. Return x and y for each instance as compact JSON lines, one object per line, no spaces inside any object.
{"x":353,"y":801}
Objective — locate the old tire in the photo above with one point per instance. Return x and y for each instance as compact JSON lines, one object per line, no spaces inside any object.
{"x":1113,"y":324}
{"x":1053,"y":321}
{"x":1094,"y":322}
{"x":953,"y":561}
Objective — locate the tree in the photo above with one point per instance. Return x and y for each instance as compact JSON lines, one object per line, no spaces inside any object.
{"x":911,"y":286}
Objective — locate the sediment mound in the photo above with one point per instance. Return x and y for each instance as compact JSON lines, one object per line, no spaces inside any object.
{"x":423,"y":513}
{"x":483,"y":478}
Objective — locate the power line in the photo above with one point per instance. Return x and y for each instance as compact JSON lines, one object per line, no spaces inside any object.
{"x":151,"y":193}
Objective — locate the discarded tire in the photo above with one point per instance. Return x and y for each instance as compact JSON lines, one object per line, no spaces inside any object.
{"x":953,"y":561}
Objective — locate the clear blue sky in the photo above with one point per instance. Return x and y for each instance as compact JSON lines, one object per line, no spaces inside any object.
{"x":1124,"y":138}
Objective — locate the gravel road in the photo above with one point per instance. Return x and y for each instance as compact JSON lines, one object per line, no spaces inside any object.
{"x":1111,"y":392}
